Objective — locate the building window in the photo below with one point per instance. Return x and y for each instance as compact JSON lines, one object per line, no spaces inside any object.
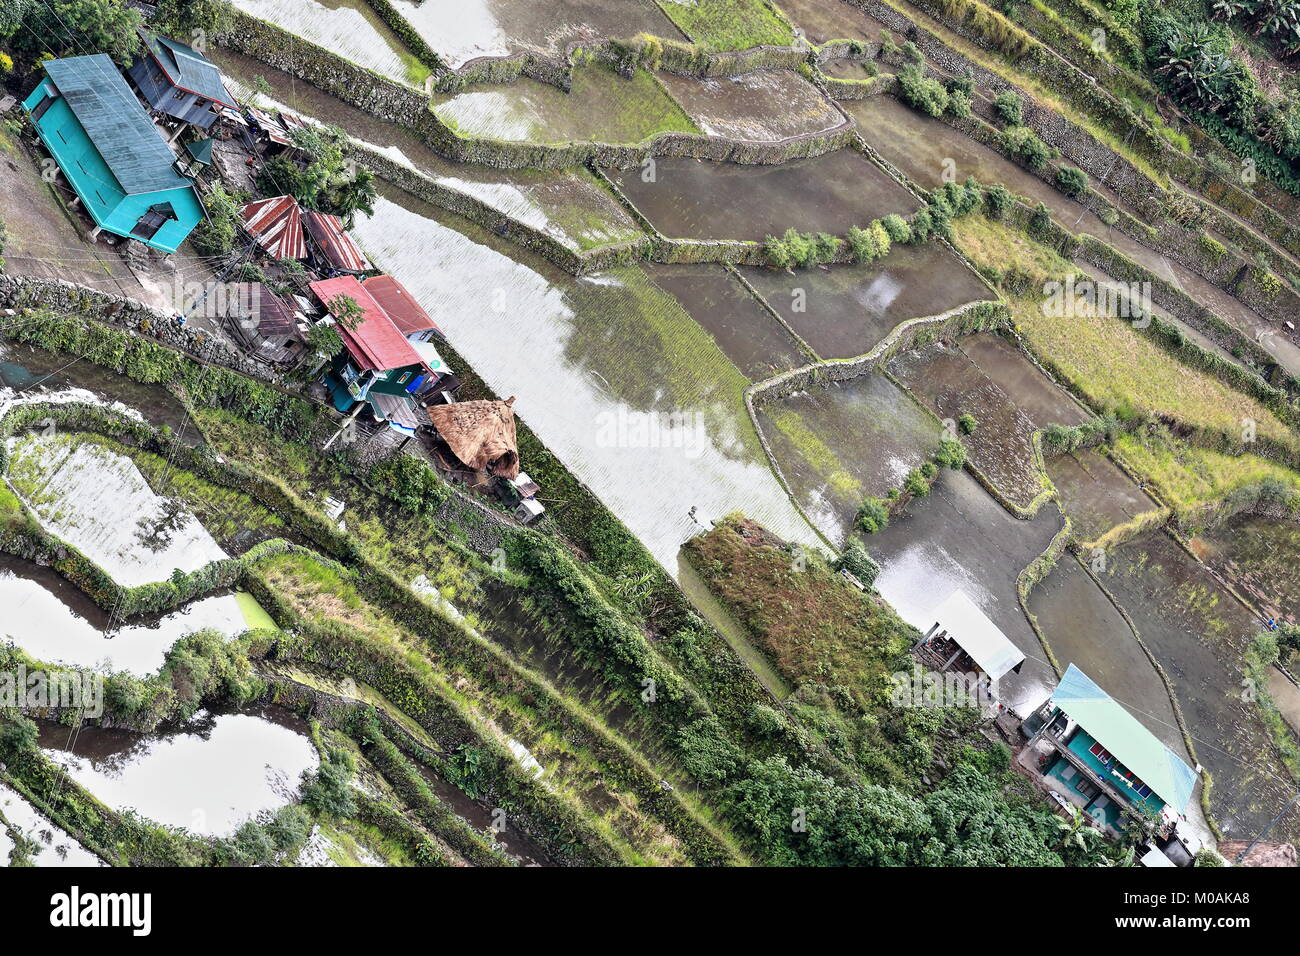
{"x":153,"y":220}
{"x":403,"y":378}
{"x":179,"y":94}
{"x":1100,"y":752}
{"x":46,"y":102}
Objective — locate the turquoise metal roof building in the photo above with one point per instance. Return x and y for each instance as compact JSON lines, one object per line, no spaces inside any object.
{"x":112,"y":154}
{"x":1131,"y":756}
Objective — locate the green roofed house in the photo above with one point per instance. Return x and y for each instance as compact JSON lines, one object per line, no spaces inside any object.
{"x":1097,"y":756}
{"x":112,"y":154}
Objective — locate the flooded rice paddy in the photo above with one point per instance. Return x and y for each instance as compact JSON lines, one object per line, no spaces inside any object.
{"x":53,"y":621}
{"x":27,"y":835}
{"x":747,"y":334}
{"x":1084,"y":628}
{"x":952,"y":384}
{"x":766,"y":106}
{"x":695,"y":199}
{"x":347,"y":28}
{"x":959,"y":538}
{"x":838,"y":444}
{"x":568,"y":205}
{"x":463,"y":30}
{"x":844,"y":311}
{"x":1261,"y":557}
{"x":925,"y":149}
{"x":98,"y":501}
{"x":610,"y":371}
{"x":32,"y":373}
{"x":823,"y":20}
{"x":1096,"y":493}
{"x":601,"y":107}
{"x":1198,"y":632}
{"x":208,"y":776}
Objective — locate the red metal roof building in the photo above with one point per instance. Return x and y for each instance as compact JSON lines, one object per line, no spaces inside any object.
{"x":407,"y":314}
{"x":276,"y":225}
{"x":375,"y":343}
{"x":333,"y":243}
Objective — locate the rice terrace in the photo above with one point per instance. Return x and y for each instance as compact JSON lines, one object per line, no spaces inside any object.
{"x":628,"y":433}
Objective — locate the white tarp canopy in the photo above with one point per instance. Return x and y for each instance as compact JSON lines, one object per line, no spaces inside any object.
{"x":979,"y":637}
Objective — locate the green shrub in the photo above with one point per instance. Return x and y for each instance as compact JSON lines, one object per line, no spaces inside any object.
{"x":912,"y":54}
{"x":915,"y":484}
{"x":1023,"y":143}
{"x":1071,"y":181}
{"x":959,"y":104}
{"x":951,"y":454}
{"x":896,"y":227}
{"x":858,"y":562}
{"x":1212,"y":246}
{"x":922,"y":93}
{"x":998,"y":199}
{"x":869,"y":244}
{"x":967,"y":424}
{"x":929,"y":469}
{"x":873,"y":516}
{"x":1009,"y":108}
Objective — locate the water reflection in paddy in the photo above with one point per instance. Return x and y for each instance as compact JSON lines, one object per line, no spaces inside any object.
{"x":98,"y":501}
{"x":840,"y":443}
{"x":464,"y":30}
{"x":209,"y":776}
{"x":53,"y":621}
{"x":613,"y":375}
{"x":347,"y":28}
{"x":47,"y":845}
{"x":845,"y":310}
{"x":960,"y":538}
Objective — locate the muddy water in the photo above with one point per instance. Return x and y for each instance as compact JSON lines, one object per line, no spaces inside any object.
{"x":1084,"y":628}
{"x":1097,"y":495}
{"x":348,"y":28}
{"x":1024,"y":382}
{"x":845,"y":69}
{"x":464,"y":30}
{"x":952,"y":385}
{"x":839,"y":444}
{"x":823,"y":20}
{"x":745,"y":331}
{"x":98,"y":501}
{"x":609,"y":371}
{"x":568,"y":205}
{"x":1198,"y":632}
{"x":209,"y":776}
{"x":53,"y":846}
{"x":1261,"y":557}
{"x":694,"y":199}
{"x":844,"y":311}
{"x":959,"y":537}
{"x":766,"y":106}
{"x":30,"y":373}
{"x":53,"y":621}
{"x":921,"y":147}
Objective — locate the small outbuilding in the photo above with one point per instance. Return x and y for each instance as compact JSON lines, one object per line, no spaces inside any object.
{"x":480,"y":436}
{"x":275,"y":224}
{"x":963,"y":638}
{"x":180,"y":82}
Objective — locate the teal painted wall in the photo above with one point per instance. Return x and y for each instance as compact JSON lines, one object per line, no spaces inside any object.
{"x":90,"y":176}
{"x":1080,"y":745}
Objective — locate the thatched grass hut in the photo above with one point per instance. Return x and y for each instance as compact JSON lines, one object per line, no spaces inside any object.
{"x":480,"y":434}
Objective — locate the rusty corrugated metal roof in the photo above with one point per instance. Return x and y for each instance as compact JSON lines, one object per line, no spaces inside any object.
{"x":407,"y":314}
{"x":276,"y":225}
{"x":375,"y":343}
{"x":335,"y":245}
